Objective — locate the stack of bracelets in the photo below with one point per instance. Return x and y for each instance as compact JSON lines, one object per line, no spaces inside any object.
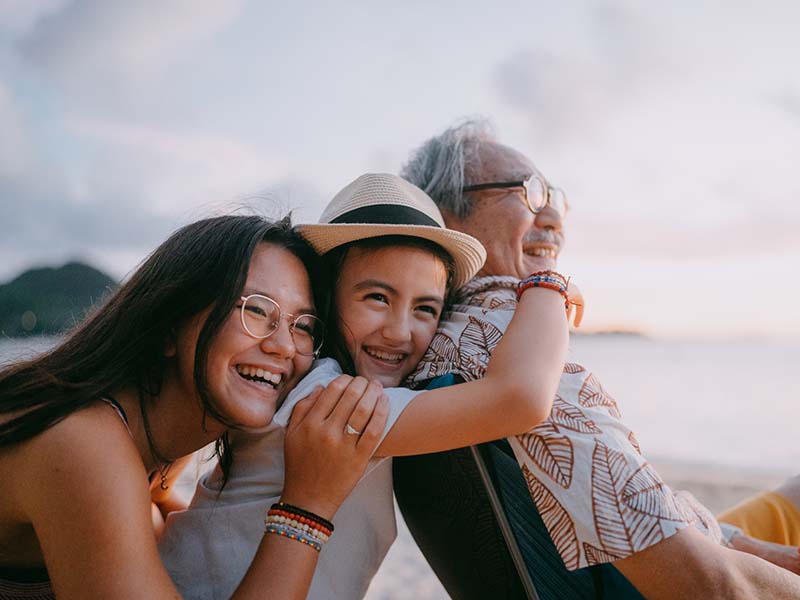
{"x":545,"y":279}
{"x":297,"y":524}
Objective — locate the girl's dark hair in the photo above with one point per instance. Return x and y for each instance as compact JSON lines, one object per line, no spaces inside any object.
{"x":122,"y":343}
{"x":335,"y":346}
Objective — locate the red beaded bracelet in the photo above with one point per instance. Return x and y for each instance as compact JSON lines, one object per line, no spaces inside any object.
{"x":545,"y":279}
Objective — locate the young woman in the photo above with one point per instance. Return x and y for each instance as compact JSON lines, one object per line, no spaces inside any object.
{"x":168,"y":364}
{"x":394,"y":264}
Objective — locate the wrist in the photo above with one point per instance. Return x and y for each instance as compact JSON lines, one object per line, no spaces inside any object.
{"x":550,"y":280}
{"x":324,"y":508}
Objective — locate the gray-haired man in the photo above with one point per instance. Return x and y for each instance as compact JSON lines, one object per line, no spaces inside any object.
{"x":599,"y":500}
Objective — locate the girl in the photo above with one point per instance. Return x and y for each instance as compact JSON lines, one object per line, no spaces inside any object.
{"x":166,"y":366}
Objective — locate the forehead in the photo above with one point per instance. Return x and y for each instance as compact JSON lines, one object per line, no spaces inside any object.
{"x":408,"y":269}
{"x":279,"y":274}
{"x":500,"y":163}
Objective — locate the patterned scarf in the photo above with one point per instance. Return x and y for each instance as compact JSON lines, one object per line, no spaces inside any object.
{"x":598,"y":496}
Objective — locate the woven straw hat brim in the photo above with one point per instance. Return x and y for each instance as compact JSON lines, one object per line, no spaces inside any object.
{"x":467,"y":252}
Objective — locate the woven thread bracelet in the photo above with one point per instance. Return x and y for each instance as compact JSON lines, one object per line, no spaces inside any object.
{"x":550,"y":280}
{"x":302,"y":513}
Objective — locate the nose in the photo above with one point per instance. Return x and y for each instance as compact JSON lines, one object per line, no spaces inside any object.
{"x":548,"y":218}
{"x":281,"y":342}
{"x":397,"y":327}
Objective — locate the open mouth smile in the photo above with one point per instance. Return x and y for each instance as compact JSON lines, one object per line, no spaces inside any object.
{"x":388,"y":358}
{"x":259,"y":375}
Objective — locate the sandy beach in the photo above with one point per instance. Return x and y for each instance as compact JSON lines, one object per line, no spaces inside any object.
{"x":405,"y":574}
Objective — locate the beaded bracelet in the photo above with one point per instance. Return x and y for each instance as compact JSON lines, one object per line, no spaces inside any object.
{"x":300,"y":519}
{"x":550,"y":280}
{"x":303,"y":513}
{"x":318,"y":537}
{"x":284,"y":532}
{"x":321,"y":534}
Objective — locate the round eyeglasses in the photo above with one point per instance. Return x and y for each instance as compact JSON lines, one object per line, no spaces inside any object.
{"x":538,"y":193}
{"x":261,"y":317}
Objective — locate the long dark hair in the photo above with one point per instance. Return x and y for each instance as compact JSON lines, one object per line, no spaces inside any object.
{"x":122,"y":343}
{"x":335,"y":346}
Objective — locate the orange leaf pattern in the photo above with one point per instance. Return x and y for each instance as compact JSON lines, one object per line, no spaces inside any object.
{"x":556,"y":519}
{"x":552,"y":453}
{"x":634,"y":442}
{"x":571,"y":417}
{"x":598,"y":496}
{"x":593,"y":394}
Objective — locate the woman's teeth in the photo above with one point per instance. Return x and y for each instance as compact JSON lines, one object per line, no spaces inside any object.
{"x":386,"y":356}
{"x":258,"y":374}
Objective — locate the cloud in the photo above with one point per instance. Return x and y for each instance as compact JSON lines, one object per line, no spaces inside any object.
{"x":788,"y":102}
{"x":169,"y":171}
{"x":123,"y":45}
{"x":560,"y":92}
{"x":18,"y":17}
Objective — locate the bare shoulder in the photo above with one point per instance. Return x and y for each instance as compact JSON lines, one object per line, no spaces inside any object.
{"x":90,"y":444}
{"x":83,"y":487}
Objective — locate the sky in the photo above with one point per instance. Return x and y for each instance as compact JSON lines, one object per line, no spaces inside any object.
{"x":673,"y":127}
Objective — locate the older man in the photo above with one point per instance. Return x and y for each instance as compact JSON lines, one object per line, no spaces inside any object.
{"x":600,"y":501}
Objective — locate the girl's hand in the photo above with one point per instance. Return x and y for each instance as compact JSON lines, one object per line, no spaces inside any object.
{"x":576,"y":304}
{"x":323,"y":461}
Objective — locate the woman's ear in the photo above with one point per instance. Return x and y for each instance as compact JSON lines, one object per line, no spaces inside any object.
{"x":171,"y":345}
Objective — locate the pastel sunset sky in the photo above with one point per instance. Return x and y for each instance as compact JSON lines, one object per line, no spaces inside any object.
{"x":674,"y":128}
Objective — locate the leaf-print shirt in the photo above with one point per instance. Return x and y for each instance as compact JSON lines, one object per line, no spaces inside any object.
{"x":598,"y":496}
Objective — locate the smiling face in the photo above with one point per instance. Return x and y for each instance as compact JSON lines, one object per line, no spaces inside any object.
{"x":389,"y":301}
{"x":517,"y":241}
{"x":248,"y":377}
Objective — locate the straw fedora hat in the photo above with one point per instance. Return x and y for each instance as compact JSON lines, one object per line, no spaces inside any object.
{"x":379,"y":204}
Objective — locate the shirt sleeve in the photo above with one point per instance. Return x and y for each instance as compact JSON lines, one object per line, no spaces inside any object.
{"x":323,"y":372}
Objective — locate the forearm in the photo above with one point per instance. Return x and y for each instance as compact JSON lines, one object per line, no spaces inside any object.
{"x":754,"y":577}
{"x":690,"y":565}
{"x":281,"y":568}
{"x":529,"y":360}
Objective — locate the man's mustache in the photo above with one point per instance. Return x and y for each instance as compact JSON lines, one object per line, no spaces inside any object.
{"x":544,"y":237}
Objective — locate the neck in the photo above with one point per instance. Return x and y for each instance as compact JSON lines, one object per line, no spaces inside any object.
{"x":175,"y":423}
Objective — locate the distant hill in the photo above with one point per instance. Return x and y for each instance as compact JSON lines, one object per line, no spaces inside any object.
{"x":47,"y":301}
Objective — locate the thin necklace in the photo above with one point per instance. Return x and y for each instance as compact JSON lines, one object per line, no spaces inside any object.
{"x":164,"y":470}
{"x":163,"y":464}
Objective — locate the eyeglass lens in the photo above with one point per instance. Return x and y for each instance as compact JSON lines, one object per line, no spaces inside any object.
{"x":261,"y":318}
{"x":540,"y":195}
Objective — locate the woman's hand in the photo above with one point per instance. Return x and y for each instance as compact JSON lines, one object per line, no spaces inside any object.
{"x":576,"y":304}
{"x":323,"y":461}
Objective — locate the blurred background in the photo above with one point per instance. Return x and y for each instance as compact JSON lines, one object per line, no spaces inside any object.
{"x":673,"y":127}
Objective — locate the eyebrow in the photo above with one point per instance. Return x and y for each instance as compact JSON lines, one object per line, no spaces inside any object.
{"x":373,"y":283}
{"x":307,"y":310}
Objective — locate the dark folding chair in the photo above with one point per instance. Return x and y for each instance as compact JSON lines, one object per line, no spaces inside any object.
{"x":471,"y":514}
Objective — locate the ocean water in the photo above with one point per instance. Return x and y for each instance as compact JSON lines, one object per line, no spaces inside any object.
{"x":734,"y":402}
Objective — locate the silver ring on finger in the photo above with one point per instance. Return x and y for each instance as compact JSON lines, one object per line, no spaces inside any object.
{"x":350,"y":430}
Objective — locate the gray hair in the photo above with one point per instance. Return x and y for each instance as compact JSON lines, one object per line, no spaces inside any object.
{"x":438,"y":167}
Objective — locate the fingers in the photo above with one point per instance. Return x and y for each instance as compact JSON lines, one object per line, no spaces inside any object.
{"x":578,"y":314}
{"x":362,"y":411}
{"x":359,"y":391}
{"x":302,"y":408}
{"x":373,"y":430}
{"x":329,"y":397}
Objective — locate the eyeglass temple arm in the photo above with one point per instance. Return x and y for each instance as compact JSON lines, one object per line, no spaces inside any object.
{"x":488,"y":186}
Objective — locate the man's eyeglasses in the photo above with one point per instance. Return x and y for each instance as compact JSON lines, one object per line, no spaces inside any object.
{"x":538,"y":193}
{"x":261,"y":317}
